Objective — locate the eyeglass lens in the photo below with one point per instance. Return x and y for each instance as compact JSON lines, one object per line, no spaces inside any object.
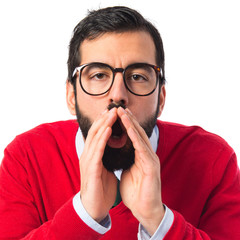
{"x":97,"y":78}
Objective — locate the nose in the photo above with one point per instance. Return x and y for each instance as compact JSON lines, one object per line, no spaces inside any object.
{"x":118,"y":92}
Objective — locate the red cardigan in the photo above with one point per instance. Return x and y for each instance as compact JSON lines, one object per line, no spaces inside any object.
{"x":39,"y":176}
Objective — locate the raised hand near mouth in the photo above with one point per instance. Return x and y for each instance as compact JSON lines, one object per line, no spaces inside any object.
{"x":140,"y":185}
{"x":98,"y":186}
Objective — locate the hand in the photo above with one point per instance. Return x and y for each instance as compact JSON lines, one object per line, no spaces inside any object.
{"x":140,"y":186}
{"x":98,"y":186}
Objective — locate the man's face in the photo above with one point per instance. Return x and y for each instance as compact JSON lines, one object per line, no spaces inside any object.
{"x":117,"y":50}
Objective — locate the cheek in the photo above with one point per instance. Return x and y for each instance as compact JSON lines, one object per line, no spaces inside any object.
{"x":144,"y":108}
{"x":90,"y":106}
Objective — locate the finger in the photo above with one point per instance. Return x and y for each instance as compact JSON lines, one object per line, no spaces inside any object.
{"x":104,"y":120}
{"x":129,"y":120}
{"x":97,"y":138}
{"x":145,"y":158}
{"x":91,"y":159}
{"x":142,"y":145}
{"x":98,"y":122}
{"x":137,"y":141}
{"x":100,"y":144}
{"x":139,"y":128}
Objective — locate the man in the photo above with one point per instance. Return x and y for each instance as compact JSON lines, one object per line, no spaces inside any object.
{"x":175,"y":182}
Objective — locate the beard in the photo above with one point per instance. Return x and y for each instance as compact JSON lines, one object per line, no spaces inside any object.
{"x":117,"y":158}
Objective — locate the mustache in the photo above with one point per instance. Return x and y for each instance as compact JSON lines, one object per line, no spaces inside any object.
{"x":116,"y":105}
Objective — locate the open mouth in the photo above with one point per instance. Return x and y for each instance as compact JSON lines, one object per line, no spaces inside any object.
{"x":117,"y":129}
{"x":119,"y":136}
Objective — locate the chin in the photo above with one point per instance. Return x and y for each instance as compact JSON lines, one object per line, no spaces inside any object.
{"x":119,"y":158}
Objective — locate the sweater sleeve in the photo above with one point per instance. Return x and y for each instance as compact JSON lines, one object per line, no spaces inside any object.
{"x":221,"y":216}
{"x":19,"y":216}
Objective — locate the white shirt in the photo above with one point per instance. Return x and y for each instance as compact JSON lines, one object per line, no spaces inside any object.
{"x":105,"y":225}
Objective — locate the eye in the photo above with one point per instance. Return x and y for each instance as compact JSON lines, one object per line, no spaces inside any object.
{"x":99,"y":76}
{"x":137,"y":78}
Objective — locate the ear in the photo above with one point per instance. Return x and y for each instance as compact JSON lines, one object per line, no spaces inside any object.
{"x":70,"y":97}
{"x":162,"y":99}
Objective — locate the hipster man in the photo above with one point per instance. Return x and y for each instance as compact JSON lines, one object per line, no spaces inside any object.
{"x":118,"y":172}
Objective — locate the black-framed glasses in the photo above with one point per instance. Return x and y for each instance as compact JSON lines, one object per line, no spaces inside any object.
{"x":97,"y":78}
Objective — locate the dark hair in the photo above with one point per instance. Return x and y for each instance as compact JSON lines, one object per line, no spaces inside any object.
{"x":112,"y":19}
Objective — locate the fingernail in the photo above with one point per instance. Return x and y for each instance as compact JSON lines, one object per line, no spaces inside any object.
{"x":106,"y":110}
{"x":122,"y":109}
{"x":128,"y":110}
{"x":112,"y":110}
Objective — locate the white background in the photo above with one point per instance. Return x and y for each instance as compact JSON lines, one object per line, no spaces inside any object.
{"x":202,"y":47}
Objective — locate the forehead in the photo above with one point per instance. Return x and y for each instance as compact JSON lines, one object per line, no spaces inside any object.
{"x":119,"y":49}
